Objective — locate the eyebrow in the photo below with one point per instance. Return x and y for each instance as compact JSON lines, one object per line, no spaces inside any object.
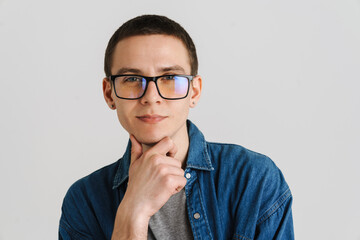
{"x":126,"y":70}
{"x":172,"y":68}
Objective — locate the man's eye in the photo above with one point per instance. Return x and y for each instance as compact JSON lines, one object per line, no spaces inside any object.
{"x":132,"y":79}
{"x":170,"y":77}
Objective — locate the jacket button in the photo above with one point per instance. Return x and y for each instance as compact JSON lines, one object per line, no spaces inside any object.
{"x":197,"y":215}
{"x":188,"y":175}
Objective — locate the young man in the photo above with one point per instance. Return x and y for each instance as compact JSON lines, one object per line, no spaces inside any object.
{"x":171,"y":183}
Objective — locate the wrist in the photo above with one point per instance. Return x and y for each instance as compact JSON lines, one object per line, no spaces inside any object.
{"x":130,"y":223}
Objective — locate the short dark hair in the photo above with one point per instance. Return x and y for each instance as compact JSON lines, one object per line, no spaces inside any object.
{"x":148,"y":25}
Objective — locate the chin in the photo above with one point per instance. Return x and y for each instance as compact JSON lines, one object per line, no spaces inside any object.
{"x":149,"y":139}
{"x":151,"y":134}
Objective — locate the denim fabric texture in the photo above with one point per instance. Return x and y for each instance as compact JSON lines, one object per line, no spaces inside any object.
{"x":231,"y":193}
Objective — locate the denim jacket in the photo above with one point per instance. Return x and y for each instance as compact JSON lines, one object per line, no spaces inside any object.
{"x":231,"y":193}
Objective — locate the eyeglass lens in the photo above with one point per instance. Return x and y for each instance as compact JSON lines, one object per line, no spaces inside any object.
{"x":168,"y":86}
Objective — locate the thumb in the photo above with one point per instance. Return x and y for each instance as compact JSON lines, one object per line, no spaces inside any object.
{"x":136,"y":149}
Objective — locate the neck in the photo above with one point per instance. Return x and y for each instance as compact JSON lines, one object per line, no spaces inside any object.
{"x":181,"y":140}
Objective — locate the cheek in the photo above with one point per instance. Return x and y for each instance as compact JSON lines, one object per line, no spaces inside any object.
{"x":121,"y":116}
{"x":182,"y":110}
{"x":124,"y":113}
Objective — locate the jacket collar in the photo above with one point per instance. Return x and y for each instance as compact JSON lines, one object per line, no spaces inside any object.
{"x":198,"y":156}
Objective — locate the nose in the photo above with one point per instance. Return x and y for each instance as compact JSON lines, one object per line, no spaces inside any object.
{"x":151,"y":94}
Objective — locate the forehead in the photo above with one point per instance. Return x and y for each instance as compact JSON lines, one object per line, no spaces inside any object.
{"x":150,"y":54}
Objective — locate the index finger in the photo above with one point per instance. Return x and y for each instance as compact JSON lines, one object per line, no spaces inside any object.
{"x":166,"y":147}
{"x":136,"y":149}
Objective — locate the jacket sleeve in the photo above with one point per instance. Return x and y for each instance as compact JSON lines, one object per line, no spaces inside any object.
{"x":77,"y":221}
{"x":268,"y":200}
{"x":66,"y":233}
{"x":72,"y":225}
{"x":276,"y":222}
{"x":275,"y":215}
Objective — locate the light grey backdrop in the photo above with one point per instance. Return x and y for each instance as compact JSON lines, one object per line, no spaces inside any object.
{"x":280,"y":77}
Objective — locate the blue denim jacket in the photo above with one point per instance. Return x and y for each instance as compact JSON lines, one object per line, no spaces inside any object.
{"x":231,"y":193}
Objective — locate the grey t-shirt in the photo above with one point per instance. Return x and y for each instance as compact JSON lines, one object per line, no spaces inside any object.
{"x":171,"y":221}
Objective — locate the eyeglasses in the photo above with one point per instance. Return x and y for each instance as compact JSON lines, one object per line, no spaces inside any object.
{"x":171,"y":87}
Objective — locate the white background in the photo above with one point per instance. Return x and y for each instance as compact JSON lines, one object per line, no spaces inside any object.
{"x":280,"y":77}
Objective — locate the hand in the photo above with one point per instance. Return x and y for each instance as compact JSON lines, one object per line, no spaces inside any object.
{"x":154,"y":176}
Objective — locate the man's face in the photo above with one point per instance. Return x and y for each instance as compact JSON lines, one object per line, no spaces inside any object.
{"x":151,"y":118}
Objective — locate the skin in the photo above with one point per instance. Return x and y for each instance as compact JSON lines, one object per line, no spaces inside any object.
{"x":159,"y":148}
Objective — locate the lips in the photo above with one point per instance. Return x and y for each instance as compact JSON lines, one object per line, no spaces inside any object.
{"x":151,"y":118}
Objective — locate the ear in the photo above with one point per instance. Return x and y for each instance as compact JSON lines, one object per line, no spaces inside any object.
{"x":107,"y":91}
{"x":196,"y":87}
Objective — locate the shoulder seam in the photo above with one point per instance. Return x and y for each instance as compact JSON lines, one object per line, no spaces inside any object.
{"x":275,"y":206}
{"x":240,"y":237}
{"x":71,"y":232}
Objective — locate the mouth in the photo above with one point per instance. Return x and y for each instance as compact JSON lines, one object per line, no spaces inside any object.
{"x":153,"y":118}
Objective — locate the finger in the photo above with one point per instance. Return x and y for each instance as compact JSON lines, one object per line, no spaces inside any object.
{"x":172,"y":162}
{"x":136,"y":149}
{"x":166,"y":147}
{"x":181,"y":182}
{"x":165,"y":169}
{"x":172,"y":151}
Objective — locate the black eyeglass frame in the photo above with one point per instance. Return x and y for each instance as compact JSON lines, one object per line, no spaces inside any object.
{"x":151,"y":79}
